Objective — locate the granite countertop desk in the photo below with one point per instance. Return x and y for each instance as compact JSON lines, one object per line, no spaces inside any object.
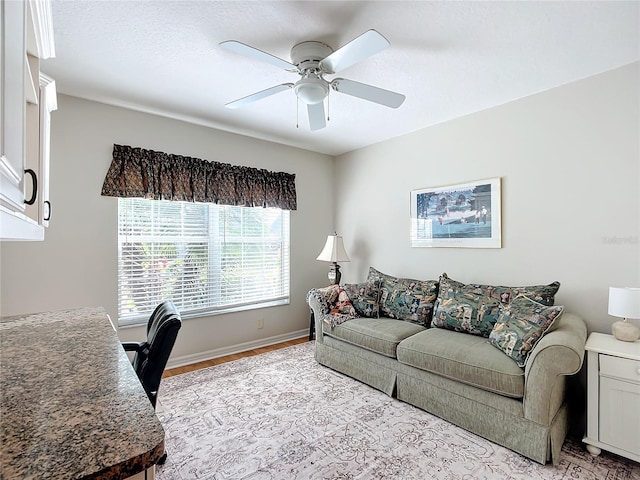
{"x":71,"y":405}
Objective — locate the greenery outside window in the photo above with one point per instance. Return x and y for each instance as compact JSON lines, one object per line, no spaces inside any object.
{"x":206,"y":258}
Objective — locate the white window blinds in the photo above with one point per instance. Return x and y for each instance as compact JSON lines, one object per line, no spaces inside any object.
{"x":204,"y":257}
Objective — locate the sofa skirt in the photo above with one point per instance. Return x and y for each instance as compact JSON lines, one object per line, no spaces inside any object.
{"x":499,"y":426}
{"x":497,"y":418}
{"x":366,"y":366}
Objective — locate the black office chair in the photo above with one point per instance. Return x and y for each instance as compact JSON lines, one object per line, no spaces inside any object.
{"x":152,"y":355}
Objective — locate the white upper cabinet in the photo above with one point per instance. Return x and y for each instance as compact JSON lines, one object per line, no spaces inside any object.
{"x":38,"y":147}
{"x":12,"y":100}
{"x":27,"y":98}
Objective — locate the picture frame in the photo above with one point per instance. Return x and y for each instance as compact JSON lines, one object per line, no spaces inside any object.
{"x":466,"y":215}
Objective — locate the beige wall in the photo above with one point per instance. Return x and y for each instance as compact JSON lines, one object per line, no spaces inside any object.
{"x":568,"y":158}
{"x":569,"y":162}
{"x":76,"y":264}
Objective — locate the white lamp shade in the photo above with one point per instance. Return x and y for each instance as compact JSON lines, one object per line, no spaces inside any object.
{"x":624,"y":302}
{"x":333,"y":250}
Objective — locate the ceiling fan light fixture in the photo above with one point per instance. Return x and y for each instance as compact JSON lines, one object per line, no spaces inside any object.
{"x":311,"y":90}
{"x":312,"y":60}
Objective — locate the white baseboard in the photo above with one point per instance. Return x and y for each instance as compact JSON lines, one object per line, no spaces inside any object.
{"x":233,"y":349}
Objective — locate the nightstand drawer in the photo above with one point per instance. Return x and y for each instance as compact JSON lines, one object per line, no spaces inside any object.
{"x":622,"y":368}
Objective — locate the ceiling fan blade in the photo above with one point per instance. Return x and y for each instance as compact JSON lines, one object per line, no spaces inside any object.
{"x":316,"y":116}
{"x":367,"y":44}
{"x":259,"y":95}
{"x":368,"y":92}
{"x":254,"y":53}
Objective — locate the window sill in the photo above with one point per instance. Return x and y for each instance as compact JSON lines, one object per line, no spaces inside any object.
{"x":141,"y":321}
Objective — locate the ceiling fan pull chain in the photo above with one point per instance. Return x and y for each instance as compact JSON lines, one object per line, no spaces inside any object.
{"x":297,"y":112}
{"x":328,"y":96}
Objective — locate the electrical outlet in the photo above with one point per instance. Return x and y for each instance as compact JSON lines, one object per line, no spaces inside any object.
{"x":260,"y":323}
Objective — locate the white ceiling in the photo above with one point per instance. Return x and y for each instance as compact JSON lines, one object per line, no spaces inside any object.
{"x":449,"y":58}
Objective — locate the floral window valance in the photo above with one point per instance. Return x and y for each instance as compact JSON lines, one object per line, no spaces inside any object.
{"x":136,"y":172}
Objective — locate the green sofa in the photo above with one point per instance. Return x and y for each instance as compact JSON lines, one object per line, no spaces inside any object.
{"x":460,"y":377}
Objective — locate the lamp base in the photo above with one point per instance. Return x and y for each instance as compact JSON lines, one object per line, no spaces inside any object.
{"x":334,"y":274}
{"x":625,"y":331}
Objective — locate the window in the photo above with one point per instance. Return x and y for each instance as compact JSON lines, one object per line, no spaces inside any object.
{"x":206,"y":258}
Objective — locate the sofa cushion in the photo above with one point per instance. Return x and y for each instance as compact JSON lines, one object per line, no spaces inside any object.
{"x":475,"y":308}
{"x":405,"y":298}
{"x":466,"y":358}
{"x":364,"y":297}
{"x":521,"y":325}
{"x":380,"y":335}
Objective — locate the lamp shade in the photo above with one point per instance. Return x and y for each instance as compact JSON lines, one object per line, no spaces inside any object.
{"x":624,"y":302}
{"x":333,"y":250}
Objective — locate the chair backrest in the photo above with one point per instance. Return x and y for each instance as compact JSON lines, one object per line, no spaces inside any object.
{"x":150,"y":362}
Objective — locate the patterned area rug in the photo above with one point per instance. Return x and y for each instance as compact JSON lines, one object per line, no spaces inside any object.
{"x":281,"y":415}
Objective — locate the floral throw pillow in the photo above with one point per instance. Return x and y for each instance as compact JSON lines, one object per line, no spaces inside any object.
{"x":520,"y":326}
{"x":474,"y":309}
{"x":339,"y":307}
{"x":342,"y":305}
{"x":329,"y":294}
{"x":364,"y":297}
{"x":405,"y":298}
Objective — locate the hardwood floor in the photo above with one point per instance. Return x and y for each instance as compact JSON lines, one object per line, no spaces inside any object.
{"x":230,"y":358}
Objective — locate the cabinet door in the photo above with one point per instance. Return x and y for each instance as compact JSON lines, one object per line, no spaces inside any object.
{"x":38,"y":147}
{"x":620,"y":414}
{"x":48,"y":104}
{"x":12,"y":105}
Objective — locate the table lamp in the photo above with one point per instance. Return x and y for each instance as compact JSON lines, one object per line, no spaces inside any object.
{"x":334,"y":252}
{"x":624,"y":302}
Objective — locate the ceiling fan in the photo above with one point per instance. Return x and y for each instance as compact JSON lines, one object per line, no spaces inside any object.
{"x":312,"y":61}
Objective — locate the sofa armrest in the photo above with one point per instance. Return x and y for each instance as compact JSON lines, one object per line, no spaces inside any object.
{"x":318,"y":310}
{"x":558,"y":354}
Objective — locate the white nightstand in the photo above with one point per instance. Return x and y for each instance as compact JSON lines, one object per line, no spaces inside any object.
{"x":613,"y":396}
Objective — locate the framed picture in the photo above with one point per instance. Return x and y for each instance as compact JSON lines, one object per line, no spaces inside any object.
{"x":465,"y":215}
